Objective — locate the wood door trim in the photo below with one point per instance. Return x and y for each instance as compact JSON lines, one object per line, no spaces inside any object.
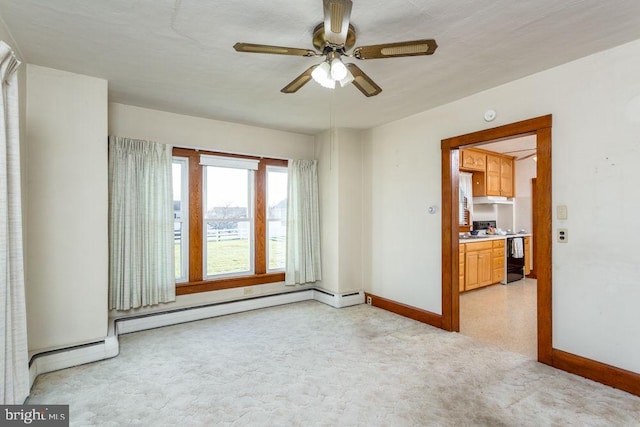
{"x":534,"y":225}
{"x":405,"y":310}
{"x":541,"y":127}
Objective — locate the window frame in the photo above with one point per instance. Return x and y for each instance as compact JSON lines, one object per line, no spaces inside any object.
{"x":251,"y":219}
{"x":197,"y":280}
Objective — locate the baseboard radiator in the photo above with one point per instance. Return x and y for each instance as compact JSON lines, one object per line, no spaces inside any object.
{"x":109,"y":347}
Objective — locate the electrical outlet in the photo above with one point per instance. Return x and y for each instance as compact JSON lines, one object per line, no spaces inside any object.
{"x":563,"y":235}
{"x":369,"y":300}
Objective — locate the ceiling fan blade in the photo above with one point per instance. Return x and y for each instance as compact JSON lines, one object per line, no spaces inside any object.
{"x":528,"y":156}
{"x":299,"y":81}
{"x":363,"y":82}
{"x":336,"y":20}
{"x":395,"y":50}
{"x":278,"y":50}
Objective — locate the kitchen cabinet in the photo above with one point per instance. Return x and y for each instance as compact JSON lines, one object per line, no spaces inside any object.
{"x":527,"y":255}
{"x":507,"y":175}
{"x":472,"y":160}
{"x":498,"y":265}
{"x":481,"y":264}
{"x":461,"y":256}
{"x":478,"y":265}
{"x":499,"y":176}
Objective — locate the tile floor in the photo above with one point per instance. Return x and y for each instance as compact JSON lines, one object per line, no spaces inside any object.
{"x":503,"y":315}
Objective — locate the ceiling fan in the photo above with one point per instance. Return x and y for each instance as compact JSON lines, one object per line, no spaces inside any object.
{"x":528,"y":153}
{"x":333,"y":39}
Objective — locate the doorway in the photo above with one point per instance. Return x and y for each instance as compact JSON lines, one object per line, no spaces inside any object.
{"x":541,"y":128}
{"x":503,"y":313}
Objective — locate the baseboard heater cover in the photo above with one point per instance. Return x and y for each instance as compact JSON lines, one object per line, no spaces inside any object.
{"x":55,"y":360}
{"x":189,"y":314}
{"x":338,"y":300}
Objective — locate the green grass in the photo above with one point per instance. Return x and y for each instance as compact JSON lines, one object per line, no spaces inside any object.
{"x":231,"y":256}
{"x":277,"y":253}
{"x":227,"y":256}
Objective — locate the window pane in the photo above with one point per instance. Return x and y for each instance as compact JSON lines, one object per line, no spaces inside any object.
{"x":229,"y":223}
{"x":228,"y":247}
{"x":177,"y":243}
{"x":276,"y":217}
{"x":177,"y":188}
{"x":227,"y":193}
{"x":180,"y":202}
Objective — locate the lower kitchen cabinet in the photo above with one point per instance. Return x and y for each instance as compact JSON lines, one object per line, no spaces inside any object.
{"x":498,"y":261}
{"x":481,"y":264}
{"x":461,"y":256}
{"x":478,"y":265}
{"x":527,"y":255}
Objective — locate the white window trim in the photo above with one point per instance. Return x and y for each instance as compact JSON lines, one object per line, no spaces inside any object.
{"x":184,"y":209}
{"x":250,"y":219}
{"x":229,"y":162}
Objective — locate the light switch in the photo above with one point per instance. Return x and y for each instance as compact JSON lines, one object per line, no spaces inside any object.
{"x":562,"y":212}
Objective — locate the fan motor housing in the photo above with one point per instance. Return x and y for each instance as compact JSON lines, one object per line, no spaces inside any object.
{"x":320,"y":42}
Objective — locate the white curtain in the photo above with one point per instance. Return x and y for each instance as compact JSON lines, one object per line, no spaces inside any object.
{"x":14,"y":358}
{"x":303,"y":224}
{"x":141,"y":248}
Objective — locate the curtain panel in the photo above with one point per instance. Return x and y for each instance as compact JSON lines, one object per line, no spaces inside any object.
{"x":303,"y":224}
{"x":14,"y":358}
{"x":141,"y":247}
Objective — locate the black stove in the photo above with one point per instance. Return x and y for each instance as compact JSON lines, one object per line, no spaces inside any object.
{"x":483,"y":225}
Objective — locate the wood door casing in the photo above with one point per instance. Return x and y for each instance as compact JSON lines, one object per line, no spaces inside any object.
{"x":541,"y":127}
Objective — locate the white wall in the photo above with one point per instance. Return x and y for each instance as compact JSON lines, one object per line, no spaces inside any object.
{"x":350,"y":210}
{"x":195,"y":132}
{"x":66,"y":208}
{"x":328,"y":178}
{"x":595,"y":104}
{"x":402,"y":242}
{"x":525,"y":170}
{"x":339,"y":154}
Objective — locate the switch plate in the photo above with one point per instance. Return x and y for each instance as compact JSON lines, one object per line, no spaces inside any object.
{"x":563,"y":235}
{"x":562,"y":212}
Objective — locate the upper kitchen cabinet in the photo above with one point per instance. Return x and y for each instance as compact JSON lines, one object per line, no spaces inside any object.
{"x":473,"y":160}
{"x":499,"y":176}
{"x":493,"y":173}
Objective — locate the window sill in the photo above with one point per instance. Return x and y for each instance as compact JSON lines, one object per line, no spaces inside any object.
{"x":228,"y":283}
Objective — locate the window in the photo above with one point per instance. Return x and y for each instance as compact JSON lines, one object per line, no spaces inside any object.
{"x":228,"y":217}
{"x":276,"y":217}
{"x":180,"y":217}
{"x":230,"y":220}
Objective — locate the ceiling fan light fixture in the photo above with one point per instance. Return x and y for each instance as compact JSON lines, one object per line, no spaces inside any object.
{"x":347,"y":79}
{"x":338,"y":69}
{"x":322,"y":76}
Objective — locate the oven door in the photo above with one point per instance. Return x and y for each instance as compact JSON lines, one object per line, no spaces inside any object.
{"x":515,"y":265}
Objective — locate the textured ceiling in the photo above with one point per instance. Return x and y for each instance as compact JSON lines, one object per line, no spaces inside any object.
{"x":177,"y":55}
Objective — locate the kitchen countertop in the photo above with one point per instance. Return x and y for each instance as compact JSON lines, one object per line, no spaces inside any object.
{"x":491,"y":237}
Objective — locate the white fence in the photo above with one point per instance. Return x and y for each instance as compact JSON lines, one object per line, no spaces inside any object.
{"x":277,"y":230}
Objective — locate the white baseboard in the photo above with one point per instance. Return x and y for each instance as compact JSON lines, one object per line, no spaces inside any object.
{"x":156,"y":320}
{"x":338,"y":300}
{"x":68,"y":357}
{"x":109,"y":347}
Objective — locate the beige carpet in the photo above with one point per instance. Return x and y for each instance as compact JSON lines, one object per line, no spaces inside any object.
{"x":308,"y":364}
